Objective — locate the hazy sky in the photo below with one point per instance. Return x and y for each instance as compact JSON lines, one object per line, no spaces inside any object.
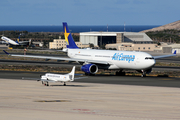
{"x":89,"y":12}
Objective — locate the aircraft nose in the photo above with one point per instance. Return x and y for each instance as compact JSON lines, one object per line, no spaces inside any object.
{"x":153,"y":62}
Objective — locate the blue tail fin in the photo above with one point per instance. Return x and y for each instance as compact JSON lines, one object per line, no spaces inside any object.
{"x":68,"y":37}
{"x":17,"y":41}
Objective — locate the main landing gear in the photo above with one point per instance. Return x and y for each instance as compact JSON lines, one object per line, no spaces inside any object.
{"x":89,"y":74}
{"x":46,"y":84}
{"x":144,"y":72}
{"x":64,"y":84}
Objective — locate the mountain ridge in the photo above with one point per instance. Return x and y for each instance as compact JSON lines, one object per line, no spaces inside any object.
{"x":174,"y":25}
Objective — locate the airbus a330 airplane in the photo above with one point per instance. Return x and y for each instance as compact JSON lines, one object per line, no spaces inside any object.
{"x":92,"y":60}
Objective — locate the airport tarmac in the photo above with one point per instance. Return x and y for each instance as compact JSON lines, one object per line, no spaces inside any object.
{"x":96,"y":97}
{"x":70,"y":65}
{"x":30,"y":100}
{"x":102,"y":79}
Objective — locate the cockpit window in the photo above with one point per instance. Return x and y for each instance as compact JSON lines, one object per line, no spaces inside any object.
{"x":147,"y":58}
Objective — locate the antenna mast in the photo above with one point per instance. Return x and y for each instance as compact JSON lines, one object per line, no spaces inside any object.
{"x":107,"y":27}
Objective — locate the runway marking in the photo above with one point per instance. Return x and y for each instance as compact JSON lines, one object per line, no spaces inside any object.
{"x":51,"y":101}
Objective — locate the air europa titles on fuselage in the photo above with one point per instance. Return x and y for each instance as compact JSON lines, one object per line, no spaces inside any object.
{"x":122,"y":57}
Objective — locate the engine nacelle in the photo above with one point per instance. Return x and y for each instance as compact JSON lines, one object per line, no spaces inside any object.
{"x":89,"y":68}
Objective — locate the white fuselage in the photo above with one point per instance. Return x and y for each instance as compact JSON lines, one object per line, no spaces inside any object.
{"x":57,"y":77}
{"x":116,"y":59}
{"x":9,"y":41}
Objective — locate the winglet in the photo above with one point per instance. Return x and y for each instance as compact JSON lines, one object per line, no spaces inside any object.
{"x":6,"y":52}
{"x":174,"y":52}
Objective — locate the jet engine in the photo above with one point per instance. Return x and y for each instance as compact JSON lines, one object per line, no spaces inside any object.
{"x":89,"y":68}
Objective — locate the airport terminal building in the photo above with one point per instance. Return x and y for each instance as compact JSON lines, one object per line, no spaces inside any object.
{"x":61,"y":43}
{"x":100,"y":38}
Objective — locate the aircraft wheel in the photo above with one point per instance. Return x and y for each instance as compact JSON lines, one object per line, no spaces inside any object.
{"x":143,"y":75}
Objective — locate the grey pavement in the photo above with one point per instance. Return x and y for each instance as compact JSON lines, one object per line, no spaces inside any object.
{"x":20,"y":100}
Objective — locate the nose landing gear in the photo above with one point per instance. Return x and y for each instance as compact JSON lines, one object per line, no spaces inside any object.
{"x":143,"y":73}
{"x":46,"y":84}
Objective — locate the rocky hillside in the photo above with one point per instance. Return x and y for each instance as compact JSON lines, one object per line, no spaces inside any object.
{"x":174,"y":25}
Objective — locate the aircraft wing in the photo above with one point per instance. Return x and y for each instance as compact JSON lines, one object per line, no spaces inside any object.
{"x":163,"y":56}
{"x":60,"y":58}
{"x":23,"y":41}
{"x":63,"y":50}
{"x":24,"y":78}
{"x":38,"y":79}
{"x":80,"y":78}
{"x":44,"y":80}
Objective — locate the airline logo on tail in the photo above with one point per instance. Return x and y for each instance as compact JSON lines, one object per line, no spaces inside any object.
{"x":17,"y":41}
{"x":68,"y":37}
